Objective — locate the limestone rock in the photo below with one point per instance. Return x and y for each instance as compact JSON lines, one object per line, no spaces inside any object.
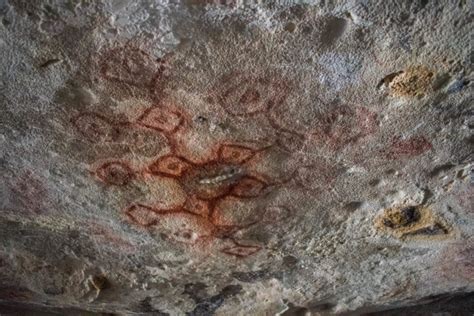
{"x":236,"y":157}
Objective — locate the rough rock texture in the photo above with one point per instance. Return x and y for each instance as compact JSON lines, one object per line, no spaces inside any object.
{"x":236,"y":158}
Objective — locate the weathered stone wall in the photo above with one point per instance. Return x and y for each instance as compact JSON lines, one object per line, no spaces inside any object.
{"x":235,"y":157}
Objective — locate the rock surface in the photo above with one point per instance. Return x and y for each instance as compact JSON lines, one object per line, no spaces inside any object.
{"x":236,"y":158}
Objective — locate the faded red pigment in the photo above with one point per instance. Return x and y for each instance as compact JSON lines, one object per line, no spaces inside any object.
{"x":108,"y":235}
{"x":247,"y":96}
{"x":407,"y":148}
{"x":31,"y":194}
{"x":244,"y":95}
{"x":333,"y":129}
{"x":227,"y":171}
{"x":132,"y":66}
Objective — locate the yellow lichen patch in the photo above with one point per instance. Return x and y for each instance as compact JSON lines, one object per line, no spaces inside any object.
{"x":412,"y":222}
{"x":412,"y":82}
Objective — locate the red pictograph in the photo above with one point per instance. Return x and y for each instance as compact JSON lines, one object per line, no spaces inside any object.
{"x":132,"y":66}
{"x":96,"y":127}
{"x":214,"y":190}
{"x":334,"y":128}
{"x":213,"y":186}
{"x":226,"y":173}
{"x":129,"y":65}
{"x":245,"y":95}
{"x":406,"y":148}
{"x":163,"y":119}
{"x":250,"y":95}
{"x":31,"y":194}
{"x":115,"y":173}
{"x":344,"y":125}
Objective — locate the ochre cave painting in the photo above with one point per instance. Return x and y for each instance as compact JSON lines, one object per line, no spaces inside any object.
{"x":248,"y":95}
{"x":31,"y":194}
{"x":332,"y":129}
{"x":132,"y":66}
{"x":251,"y":95}
{"x":227,"y":175}
{"x":407,"y":148}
